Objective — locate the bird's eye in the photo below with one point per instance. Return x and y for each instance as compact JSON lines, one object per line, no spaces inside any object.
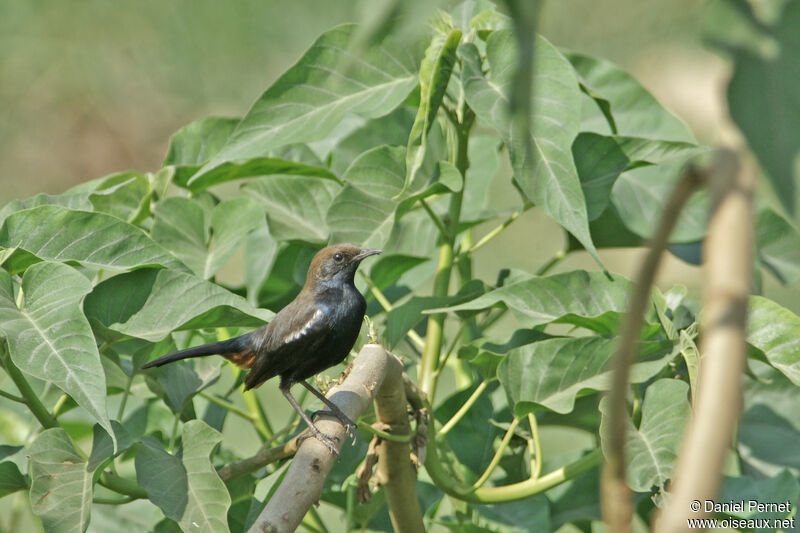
{"x":338,"y":257}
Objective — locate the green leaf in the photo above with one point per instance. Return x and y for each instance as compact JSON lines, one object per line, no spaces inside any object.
{"x":194,"y":144}
{"x":778,"y":245}
{"x":549,"y":178}
{"x":388,"y":268}
{"x":601,"y":159}
{"x":258,"y":166}
{"x":61,"y":483}
{"x":651,"y":448}
{"x":124,"y":195}
{"x":483,"y":167}
{"x":579,"y":297}
{"x":188,"y":490}
{"x":775,"y":490}
{"x":103,"y":445}
{"x":635,"y":112}
{"x":98,"y":240}
{"x":163,"y":477}
{"x":363,"y":212}
{"x":776,"y":332}
{"x":260,"y":250}
{"x":311,"y":98}
{"x":73,"y":200}
{"x":553,"y":372}
{"x":640,"y":196}
{"x":49,"y":337}
{"x":434,"y":75}
{"x":11,"y":479}
{"x":404,"y":317}
{"x":295,"y":205}
{"x":768,"y":114}
{"x":181,"y":382}
{"x":159,"y":301}
{"x":204,"y":241}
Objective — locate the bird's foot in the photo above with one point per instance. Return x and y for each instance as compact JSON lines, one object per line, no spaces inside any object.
{"x":349,"y":425}
{"x":328,"y":440}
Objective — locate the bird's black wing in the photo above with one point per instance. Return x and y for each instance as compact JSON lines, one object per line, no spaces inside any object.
{"x":293,"y":337}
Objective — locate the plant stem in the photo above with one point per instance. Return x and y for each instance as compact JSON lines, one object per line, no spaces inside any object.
{"x":436,"y":220}
{"x":535,"y":447}
{"x":229,"y":406}
{"x":62,"y":400}
{"x":174,"y":434}
{"x":12,"y":397}
{"x":113,"y":501}
{"x":126,"y":393}
{"x":467,"y":405}
{"x":258,"y":415}
{"x":556,"y":259}
{"x":30,"y":397}
{"x":497,"y":455}
{"x":384,"y":435}
{"x":121,"y":485}
{"x":494,"y":233}
{"x":615,"y":494}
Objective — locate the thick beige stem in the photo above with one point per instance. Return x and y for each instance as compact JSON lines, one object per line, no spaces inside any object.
{"x":395,"y":470}
{"x":302,"y":486}
{"x":728,"y":265}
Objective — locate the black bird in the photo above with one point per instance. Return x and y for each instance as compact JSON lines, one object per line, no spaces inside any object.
{"x":314,"y":332}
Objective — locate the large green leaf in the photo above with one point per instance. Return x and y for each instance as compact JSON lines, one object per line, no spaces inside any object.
{"x":61,"y":483}
{"x":764,"y":101}
{"x":776,"y":332}
{"x":159,"y":301}
{"x":194,"y":144}
{"x":49,"y":337}
{"x":72,"y":200}
{"x":99,"y":240}
{"x":295,"y":205}
{"x":124,"y":195}
{"x":324,"y":86}
{"x":203,"y":240}
{"x":546,"y":173}
{"x":553,"y":372}
{"x":578,"y":297}
{"x":601,"y":159}
{"x":774,"y":490}
{"x":11,"y":479}
{"x":189,"y":489}
{"x":651,"y":449}
{"x":365,"y":210}
{"x":778,"y":245}
{"x":634,"y":110}
{"x":434,"y":75}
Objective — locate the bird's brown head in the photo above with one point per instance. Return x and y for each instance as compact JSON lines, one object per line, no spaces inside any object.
{"x":337,"y":263}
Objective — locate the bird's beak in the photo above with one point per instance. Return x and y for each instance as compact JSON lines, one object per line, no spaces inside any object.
{"x":366,"y":253}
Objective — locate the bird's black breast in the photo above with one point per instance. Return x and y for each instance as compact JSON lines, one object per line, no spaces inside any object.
{"x":314,"y":332}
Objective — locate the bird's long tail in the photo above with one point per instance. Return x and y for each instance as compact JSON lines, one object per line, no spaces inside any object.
{"x":232,"y":349}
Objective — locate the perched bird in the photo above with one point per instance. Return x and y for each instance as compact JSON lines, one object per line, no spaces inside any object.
{"x":314,"y":332}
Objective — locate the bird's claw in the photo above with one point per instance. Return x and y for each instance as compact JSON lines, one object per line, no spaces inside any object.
{"x":328,"y":440}
{"x":349,"y":425}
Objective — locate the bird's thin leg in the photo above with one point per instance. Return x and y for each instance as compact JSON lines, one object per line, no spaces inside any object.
{"x":349,"y":424}
{"x":327,"y":440}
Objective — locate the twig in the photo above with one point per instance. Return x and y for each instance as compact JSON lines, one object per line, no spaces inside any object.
{"x":615,"y":495}
{"x":481,"y":481}
{"x":264,"y":457}
{"x":302,"y":485}
{"x":728,"y":272}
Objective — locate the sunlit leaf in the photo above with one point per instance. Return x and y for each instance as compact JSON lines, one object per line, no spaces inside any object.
{"x":61,"y":483}
{"x":579,"y":297}
{"x":295,"y":205}
{"x":778,"y":244}
{"x":49,"y":337}
{"x":99,"y":240}
{"x":652,"y":448}
{"x":159,"y":301}
{"x":549,"y":178}
{"x":204,"y":241}
{"x":553,"y":372}
{"x":313,"y":96}
{"x":775,"y":331}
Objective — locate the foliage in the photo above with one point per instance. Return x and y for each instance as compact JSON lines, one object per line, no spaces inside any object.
{"x":393,"y":145}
